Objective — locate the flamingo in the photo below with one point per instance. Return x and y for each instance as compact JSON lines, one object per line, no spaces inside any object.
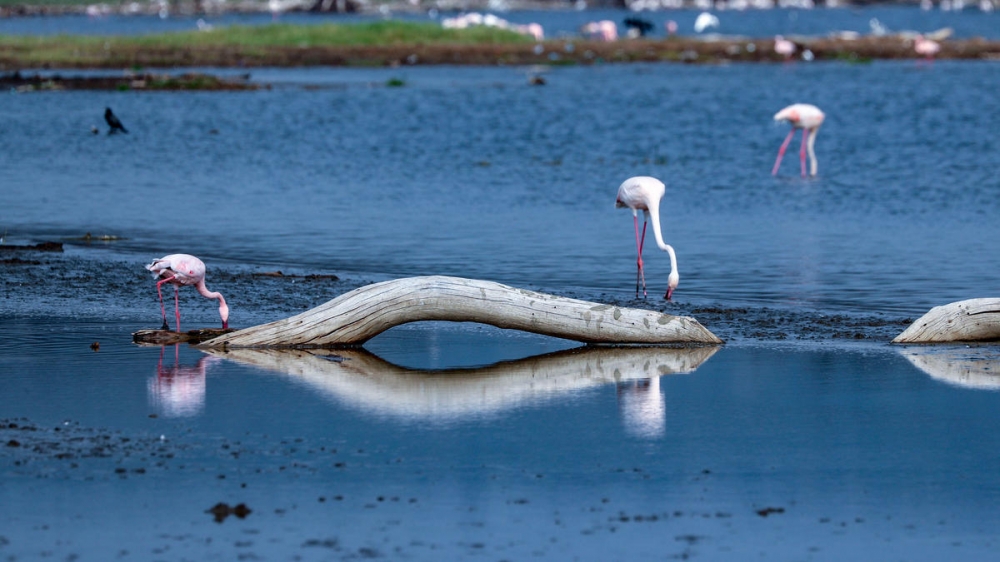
{"x":926,"y":48}
{"x":808,"y":118}
{"x":644,"y":193}
{"x":704,"y":21}
{"x":183,"y":269}
{"x":784,"y":47}
{"x":605,"y":30}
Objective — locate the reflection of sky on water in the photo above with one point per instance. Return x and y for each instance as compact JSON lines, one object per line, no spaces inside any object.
{"x":832,"y":433}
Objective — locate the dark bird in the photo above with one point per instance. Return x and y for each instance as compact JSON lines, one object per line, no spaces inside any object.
{"x":113,"y":122}
{"x":641,"y":26}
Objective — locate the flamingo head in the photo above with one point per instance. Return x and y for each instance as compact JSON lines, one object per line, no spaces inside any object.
{"x":224,"y":314}
{"x":672,"y":283}
{"x":789,"y":114}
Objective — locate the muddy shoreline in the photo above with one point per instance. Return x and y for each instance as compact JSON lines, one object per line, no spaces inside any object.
{"x":553,"y":52}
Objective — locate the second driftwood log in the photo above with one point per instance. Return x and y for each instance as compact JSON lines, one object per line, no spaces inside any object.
{"x":359,"y":315}
{"x":963,"y":321}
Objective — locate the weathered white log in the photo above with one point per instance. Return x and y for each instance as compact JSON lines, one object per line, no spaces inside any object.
{"x":355,"y":317}
{"x":976,"y":366}
{"x":361,"y":379}
{"x":969,"y":320}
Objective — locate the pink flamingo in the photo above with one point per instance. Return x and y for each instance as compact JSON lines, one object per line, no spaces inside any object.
{"x":182,"y":269}
{"x":784,"y":47}
{"x":644,"y":193}
{"x":605,"y":30}
{"x":926,"y":48}
{"x":808,"y":118}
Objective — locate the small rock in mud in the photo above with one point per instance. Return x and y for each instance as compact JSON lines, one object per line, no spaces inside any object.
{"x":222,"y":510}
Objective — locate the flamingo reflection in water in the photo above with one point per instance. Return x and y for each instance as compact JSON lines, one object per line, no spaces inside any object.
{"x":177,"y":390}
{"x":643,"y":409}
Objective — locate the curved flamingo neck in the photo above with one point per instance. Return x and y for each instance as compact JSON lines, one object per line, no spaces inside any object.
{"x":223,"y":307}
{"x":209,"y":294}
{"x":654,"y":217}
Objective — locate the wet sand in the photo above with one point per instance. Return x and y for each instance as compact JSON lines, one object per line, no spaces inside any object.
{"x":32,"y":283}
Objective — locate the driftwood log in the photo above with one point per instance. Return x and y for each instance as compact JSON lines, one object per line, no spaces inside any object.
{"x":355,"y":317}
{"x":973,"y":320}
{"x":361,"y":379}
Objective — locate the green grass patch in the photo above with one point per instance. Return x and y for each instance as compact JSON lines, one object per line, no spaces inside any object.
{"x":274,"y":35}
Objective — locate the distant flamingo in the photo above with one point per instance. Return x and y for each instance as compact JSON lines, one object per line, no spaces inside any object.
{"x":808,"y":118}
{"x":784,"y":47}
{"x":644,"y":193}
{"x":605,"y":30}
{"x":704,"y":21}
{"x":926,"y":48}
{"x":182,"y":269}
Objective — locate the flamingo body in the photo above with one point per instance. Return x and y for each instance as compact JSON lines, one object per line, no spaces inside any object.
{"x":784,"y":47}
{"x":643,"y":193}
{"x":184,"y":270}
{"x":926,"y":47}
{"x":808,"y":118}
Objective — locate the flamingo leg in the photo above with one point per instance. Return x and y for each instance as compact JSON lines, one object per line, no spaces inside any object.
{"x":639,"y":275}
{"x":781,"y":152}
{"x":802,"y":152}
{"x":177,"y":306}
{"x":163,"y":309}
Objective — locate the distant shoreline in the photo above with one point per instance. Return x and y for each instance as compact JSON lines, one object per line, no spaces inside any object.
{"x":556,"y":52}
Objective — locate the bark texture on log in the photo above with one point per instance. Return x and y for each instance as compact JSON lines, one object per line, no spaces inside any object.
{"x":361,"y":379}
{"x":355,"y":317}
{"x":972,"y":320}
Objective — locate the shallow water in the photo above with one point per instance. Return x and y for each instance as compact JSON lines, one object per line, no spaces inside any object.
{"x":701,"y":453}
{"x":470,"y":172}
{"x":465,"y":441}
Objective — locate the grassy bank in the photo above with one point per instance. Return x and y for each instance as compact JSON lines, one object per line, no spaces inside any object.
{"x":253,"y":42}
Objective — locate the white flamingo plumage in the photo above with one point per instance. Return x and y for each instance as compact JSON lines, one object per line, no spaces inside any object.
{"x":643,"y":193}
{"x":184,"y":269}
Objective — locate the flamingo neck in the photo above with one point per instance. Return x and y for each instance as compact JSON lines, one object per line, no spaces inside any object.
{"x":810,"y":144}
{"x":654,"y":217}
{"x":223,"y":307}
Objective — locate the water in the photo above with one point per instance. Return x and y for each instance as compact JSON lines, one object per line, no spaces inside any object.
{"x":806,"y":436}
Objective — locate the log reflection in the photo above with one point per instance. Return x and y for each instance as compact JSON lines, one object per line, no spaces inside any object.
{"x":361,"y":379}
{"x":971,"y":366}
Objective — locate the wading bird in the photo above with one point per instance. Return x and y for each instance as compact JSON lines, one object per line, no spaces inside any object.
{"x":808,"y":118}
{"x":784,"y":47}
{"x":182,"y":269}
{"x":113,"y":122}
{"x":926,"y":48}
{"x":643,"y":193}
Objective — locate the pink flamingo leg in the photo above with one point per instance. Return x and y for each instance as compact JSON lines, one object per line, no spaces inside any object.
{"x":163,"y":309}
{"x":781,"y":152}
{"x":177,"y":307}
{"x":639,"y":275}
{"x":802,"y":152}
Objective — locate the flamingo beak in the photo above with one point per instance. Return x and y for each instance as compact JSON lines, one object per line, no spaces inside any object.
{"x":225,"y":325}
{"x":670,"y":293}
